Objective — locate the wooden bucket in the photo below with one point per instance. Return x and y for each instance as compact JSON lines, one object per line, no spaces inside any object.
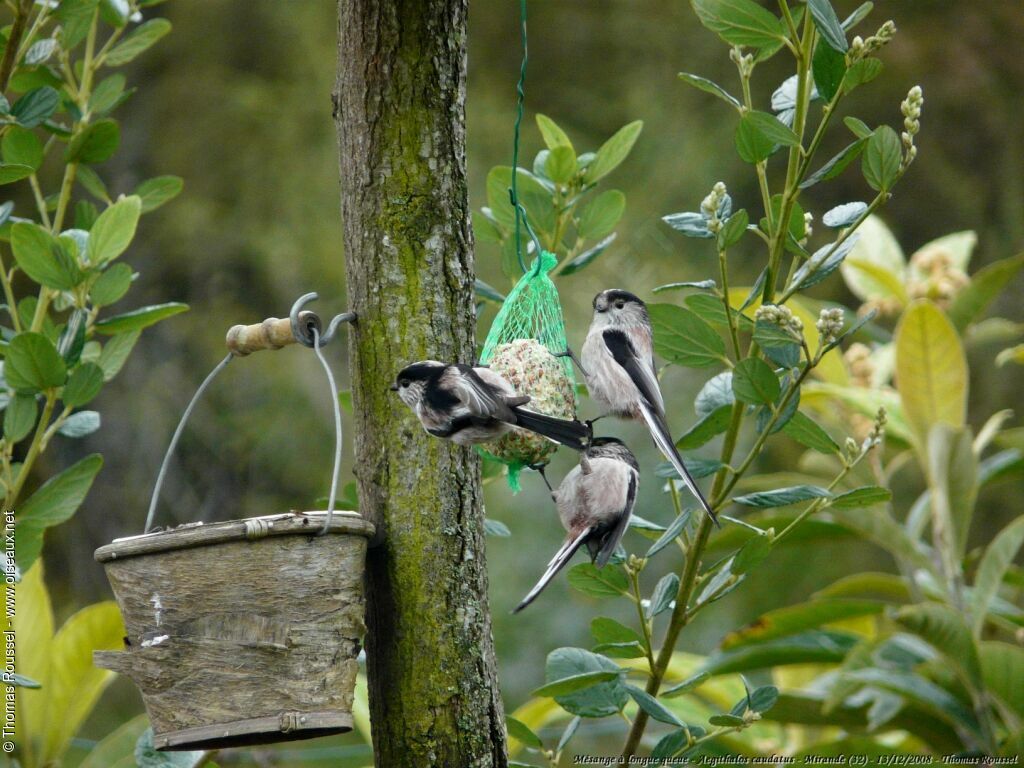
{"x":242,"y":632}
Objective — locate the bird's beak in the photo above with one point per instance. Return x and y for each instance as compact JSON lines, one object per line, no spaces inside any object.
{"x":393,"y":387}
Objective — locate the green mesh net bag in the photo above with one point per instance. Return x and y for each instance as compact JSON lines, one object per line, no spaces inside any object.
{"x":526,"y":332}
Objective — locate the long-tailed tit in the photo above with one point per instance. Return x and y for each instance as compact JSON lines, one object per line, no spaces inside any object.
{"x":594,"y":501}
{"x":618,"y":364}
{"x":476,"y":405}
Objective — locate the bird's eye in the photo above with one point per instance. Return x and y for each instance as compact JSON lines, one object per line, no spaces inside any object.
{"x":620,"y":304}
{"x":404,"y":383}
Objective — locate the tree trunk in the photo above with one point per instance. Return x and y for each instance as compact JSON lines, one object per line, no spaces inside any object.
{"x":400,"y":113}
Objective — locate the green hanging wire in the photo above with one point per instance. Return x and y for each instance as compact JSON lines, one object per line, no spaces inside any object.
{"x":513,"y":197}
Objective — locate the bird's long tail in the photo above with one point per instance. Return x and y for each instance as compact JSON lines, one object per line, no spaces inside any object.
{"x":663,"y":439}
{"x":558,"y":562}
{"x":572,"y":434}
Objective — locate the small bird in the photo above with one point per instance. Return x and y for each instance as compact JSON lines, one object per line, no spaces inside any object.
{"x":618,"y":365}
{"x":594,"y":501}
{"x":470,"y":405}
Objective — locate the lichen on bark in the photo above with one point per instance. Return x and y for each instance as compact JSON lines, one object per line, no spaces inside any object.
{"x":400,"y":113}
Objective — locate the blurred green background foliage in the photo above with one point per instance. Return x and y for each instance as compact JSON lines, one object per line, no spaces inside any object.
{"x":237,"y":101}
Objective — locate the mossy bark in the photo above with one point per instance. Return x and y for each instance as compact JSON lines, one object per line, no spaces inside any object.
{"x":400,"y":112}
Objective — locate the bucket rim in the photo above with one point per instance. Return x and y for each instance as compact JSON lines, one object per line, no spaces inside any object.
{"x":193,"y":535}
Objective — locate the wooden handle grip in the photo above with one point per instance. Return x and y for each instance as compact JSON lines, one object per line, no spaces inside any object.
{"x":272,"y":333}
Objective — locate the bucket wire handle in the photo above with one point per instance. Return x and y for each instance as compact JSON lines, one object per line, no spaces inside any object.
{"x":301,"y":327}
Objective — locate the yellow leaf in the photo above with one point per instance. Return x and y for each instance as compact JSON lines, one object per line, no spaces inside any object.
{"x":33,"y":628}
{"x":931,"y":370}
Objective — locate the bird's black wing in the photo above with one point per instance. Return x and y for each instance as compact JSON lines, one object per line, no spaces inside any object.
{"x":478,"y":397}
{"x":611,"y":541}
{"x":640,"y":370}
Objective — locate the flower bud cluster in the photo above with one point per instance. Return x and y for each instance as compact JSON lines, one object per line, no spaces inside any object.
{"x":745,"y":64}
{"x":830,"y":325}
{"x":877,"y":428}
{"x":711,"y":206}
{"x":911,"y":109}
{"x":936,"y":276}
{"x":808,"y":228}
{"x":860,"y":365}
{"x":783,"y":317}
{"x":860,"y":48}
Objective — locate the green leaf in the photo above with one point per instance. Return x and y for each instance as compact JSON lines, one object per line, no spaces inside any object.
{"x":764,"y":698}
{"x":111,"y":286}
{"x":587,"y":256}
{"x":716,"y":392}
{"x":828,"y":25}
{"x":96,"y":143}
{"x":682,"y":337}
{"x":759,"y":134}
{"x":553,"y":136}
{"x":708,"y":86}
{"x":922,"y":692}
{"x":779,"y":345}
{"x":1002,"y":665}
{"x":609,"y":581}
{"x":740,"y":22}
{"x":985,"y":286}
{"x":726,"y":720}
{"x":601,"y":215}
{"x":496,"y":528}
{"x":866,"y":496}
{"x":137,"y":41}
{"x":843,"y":215}
{"x":751,"y":554}
{"x":605,"y":698}
{"x":946,"y":631}
{"x":117,"y":747}
{"x":76,"y":18}
{"x":835,"y":165}
{"x":114,"y":229}
{"x":138,"y":319}
{"x":829,"y":68}
{"x":653,"y":707}
{"x":55,"y":501}
{"x":72,"y":683}
{"x":818,"y":646}
{"x":22,"y":147}
{"x":663,"y":595}
{"x":41,"y":257}
{"x":605,"y":630}
{"x":485,"y":291}
{"x":674,"y":529}
{"x":735,"y":227}
{"x":672,"y":744}
{"x":613,"y":151}
{"x":882,"y":158}
{"x":148,"y":756}
{"x":80,"y":424}
{"x":108,"y":94}
{"x":93,"y":184}
{"x":993,"y":567}
{"x":857,"y":127}
{"x":714,"y":423}
{"x":521,"y":732}
{"x":806,"y":432}
{"x":561,"y":164}
{"x":35,"y":106}
{"x":115,"y":353}
{"x":711,"y":309}
{"x":19,"y":417}
{"x":83,"y":385}
{"x":931,"y":370}
{"x":783,"y":496}
{"x":822,"y":263}
{"x":754,"y":382}
{"x":33,"y":364}
{"x":156,"y":191}
{"x":10,"y":173}
{"x":575,"y":683}
{"x":687,"y":685}
{"x":794,"y":619}
{"x":499,"y":180}
{"x":861,"y":73}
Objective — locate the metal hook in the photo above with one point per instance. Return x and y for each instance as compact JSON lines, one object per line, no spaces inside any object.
{"x":303,"y":323}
